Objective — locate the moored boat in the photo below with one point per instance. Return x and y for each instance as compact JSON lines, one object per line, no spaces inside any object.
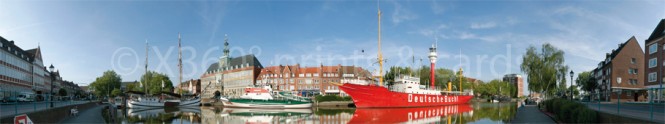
{"x":262,"y":98}
{"x":405,"y":92}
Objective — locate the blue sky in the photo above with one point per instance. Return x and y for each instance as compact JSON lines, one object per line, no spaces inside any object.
{"x":84,"y":38}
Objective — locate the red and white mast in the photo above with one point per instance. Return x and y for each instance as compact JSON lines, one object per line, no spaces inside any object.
{"x":432,"y":59}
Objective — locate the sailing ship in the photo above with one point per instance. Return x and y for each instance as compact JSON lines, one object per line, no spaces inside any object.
{"x":264,"y":98}
{"x":166,"y":99}
{"x":406,"y":91}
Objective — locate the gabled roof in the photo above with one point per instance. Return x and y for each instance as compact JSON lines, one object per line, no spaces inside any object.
{"x":238,"y":61}
{"x":35,"y":53}
{"x":658,"y":32}
{"x":621,"y":46}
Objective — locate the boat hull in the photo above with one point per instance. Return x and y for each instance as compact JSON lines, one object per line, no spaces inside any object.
{"x":271,"y":104}
{"x":167,"y":103}
{"x":419,"y":115}
{"x":367,"y":96}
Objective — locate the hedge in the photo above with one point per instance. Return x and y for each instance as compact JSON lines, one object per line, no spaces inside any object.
{"x":570,"y":111}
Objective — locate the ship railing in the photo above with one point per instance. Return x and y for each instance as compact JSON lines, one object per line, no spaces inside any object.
{"x":455,"y":93}
{"x":290,"y":96}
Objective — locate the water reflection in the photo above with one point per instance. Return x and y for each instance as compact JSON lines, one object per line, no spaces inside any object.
{"x":453,"y":114}
{"x":437,"y":114}
{"x":181,"y":115}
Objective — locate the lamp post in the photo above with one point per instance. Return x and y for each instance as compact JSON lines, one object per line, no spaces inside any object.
{"x":571,"y":84}
{"x":52,"y":73}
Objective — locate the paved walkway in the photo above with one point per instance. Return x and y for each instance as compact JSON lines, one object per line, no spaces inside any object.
{"x":90,"y":116}
{"x":531,"y":114}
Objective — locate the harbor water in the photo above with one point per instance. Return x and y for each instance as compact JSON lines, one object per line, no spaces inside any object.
{"x":455,"y":114}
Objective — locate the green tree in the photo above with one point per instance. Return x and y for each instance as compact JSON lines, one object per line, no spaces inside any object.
{"x":62,"y":92}
{"x":544,"y":69}
{"x":104,"y":84}
{"x":389,"y":77}
{"x":116,"y":92}
{"x":152,"y":81}
{"x":442,"y":76}
{"x":586,"y":81}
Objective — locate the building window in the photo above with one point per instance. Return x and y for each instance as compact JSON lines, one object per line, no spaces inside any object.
{"x":632,"y":71}
{"x":653,"y":48}
{"x":653,"y":62}
{"x":633,"y":60}
{"x":652,"y":77}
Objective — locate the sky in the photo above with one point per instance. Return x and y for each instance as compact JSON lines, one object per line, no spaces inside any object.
{"x":487,"y":38}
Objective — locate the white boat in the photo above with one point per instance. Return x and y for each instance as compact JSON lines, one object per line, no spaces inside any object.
{"x":196,"y":101}
{"x":261,"y":98}
{"x":117,"y":101}
{"x":138,"y":99}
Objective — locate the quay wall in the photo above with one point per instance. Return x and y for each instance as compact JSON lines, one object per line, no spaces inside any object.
{"x":51,"y":115}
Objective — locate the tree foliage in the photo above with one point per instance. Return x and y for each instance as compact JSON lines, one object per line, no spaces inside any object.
{"x":586,"y":81}
{"x":496,"y":88}
{"x":152,"y":81}
{"x":104,"y":84}
{"x":443,"y":76}
{"x":544,"y":69}
{"x":116,"y":92}
{"x":62,"y":92}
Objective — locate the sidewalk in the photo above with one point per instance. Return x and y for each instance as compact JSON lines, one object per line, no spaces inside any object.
{"x":531,"y":114}
{"x":90,"y":116}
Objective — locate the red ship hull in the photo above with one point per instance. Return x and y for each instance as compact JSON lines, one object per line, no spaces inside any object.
{"x":367,"y":96}
{"x":407,"y":115}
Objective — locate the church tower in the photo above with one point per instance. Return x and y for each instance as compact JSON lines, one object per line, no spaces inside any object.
{"x":224,"y":60}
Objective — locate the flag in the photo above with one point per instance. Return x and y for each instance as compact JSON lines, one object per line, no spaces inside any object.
{"x":140,"y":84}
{"x":162,"y":83}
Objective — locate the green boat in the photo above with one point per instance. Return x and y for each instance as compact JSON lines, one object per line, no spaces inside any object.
{"x":261,"y":98}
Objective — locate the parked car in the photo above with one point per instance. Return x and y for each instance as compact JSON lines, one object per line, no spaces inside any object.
{"x":26,"y":97}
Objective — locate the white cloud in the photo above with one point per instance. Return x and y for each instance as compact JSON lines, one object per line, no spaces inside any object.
{"x":400,"y":14}
{"x":483,"y":25}
{"x":486,"y":38}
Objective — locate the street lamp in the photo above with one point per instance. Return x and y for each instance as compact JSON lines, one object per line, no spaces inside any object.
{"x":52,"y":73}
{"x":571,"y":84}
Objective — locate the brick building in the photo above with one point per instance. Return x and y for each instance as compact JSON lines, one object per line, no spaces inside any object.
{"x":654,"y":56}
{"x":192,"y":86}
{"x":230,"y":75}
{"x":516,"y":80}
{"x":622,"y":73}
{"x":296,"y":78}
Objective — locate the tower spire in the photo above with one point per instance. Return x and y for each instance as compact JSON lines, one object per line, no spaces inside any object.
{"x":226,"y":45}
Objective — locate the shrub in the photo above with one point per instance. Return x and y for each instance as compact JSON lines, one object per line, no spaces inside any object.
{"x":587,"y":116}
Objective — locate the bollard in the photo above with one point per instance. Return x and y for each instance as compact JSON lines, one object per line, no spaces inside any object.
{"x":34,"y":105}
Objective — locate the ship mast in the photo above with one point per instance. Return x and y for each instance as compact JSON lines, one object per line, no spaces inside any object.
{"x":461,"y":72}
{"x":180,"y":62}
{"x":379,"y":53}
{"x":145,"y":87}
